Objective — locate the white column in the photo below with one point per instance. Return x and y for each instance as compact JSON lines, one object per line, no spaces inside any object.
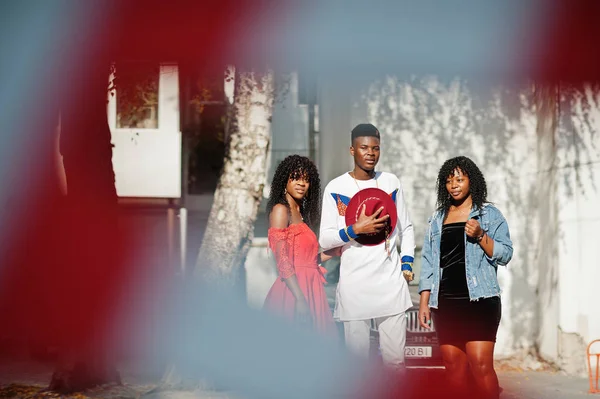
{"x":335,"y":124}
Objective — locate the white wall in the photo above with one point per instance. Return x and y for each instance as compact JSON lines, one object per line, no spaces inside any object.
{"x":261,"y":272}
{"x":578,"y":175}
{"x":545,"y":181}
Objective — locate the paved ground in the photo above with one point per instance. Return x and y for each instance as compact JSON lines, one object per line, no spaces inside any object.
{"x":516,"y":384}
{"x":543,"y":385}
{"x":528,"y":384}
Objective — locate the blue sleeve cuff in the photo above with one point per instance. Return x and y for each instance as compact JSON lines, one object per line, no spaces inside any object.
{"x":406,"y":263}
{"x":351,"y":232}
{"x":344,"y":236}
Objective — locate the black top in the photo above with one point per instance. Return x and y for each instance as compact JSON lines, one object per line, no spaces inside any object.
{"x":452,"y":260}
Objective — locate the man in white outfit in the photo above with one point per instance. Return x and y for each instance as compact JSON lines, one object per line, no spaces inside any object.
{"x":373,"y":276}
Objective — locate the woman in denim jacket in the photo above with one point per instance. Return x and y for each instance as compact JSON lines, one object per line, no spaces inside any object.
{"x":466,"y":241}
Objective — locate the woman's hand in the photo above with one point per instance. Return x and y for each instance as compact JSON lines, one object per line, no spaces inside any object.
{"x":424,"y":316}
{"x":302,"y":313}
{"x":424,"y":311}
{"x":473,"y":229}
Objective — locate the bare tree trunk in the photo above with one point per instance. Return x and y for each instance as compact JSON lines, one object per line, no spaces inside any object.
{"x":235,"y":206}
{"x":230,"y":225}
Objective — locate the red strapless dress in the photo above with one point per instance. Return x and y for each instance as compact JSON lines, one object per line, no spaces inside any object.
{"x":296,"y":248}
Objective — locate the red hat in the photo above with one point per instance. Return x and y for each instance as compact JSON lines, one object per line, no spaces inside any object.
{"x":373,"y":199}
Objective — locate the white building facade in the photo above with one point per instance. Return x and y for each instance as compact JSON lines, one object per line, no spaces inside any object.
{"x":541,"y":160}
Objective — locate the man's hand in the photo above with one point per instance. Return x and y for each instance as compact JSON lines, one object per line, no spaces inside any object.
{"x":370,"y":224}
{"x":330,"y":253}
{"x":406,"y":267}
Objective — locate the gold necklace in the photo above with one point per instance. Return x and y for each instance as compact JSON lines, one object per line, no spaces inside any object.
{"x":355,"y":181}
{"x":463,"y":209}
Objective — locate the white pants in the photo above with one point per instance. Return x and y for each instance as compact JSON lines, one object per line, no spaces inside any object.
{"x":392,"y":338}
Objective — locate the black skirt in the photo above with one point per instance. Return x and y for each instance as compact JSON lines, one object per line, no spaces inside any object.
{"x":458,"y":321}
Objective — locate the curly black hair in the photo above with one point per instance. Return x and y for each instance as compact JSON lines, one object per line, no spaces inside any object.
{"x":477,"y":183}
{"x":296,"y":167}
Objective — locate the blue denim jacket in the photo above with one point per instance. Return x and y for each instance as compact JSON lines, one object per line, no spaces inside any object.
{"x":481,"y":270}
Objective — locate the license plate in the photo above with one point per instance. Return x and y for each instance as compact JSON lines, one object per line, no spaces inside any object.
{"x":417,"y":351}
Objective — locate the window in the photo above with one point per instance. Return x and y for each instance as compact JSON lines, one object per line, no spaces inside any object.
{"x":137,"y":95}
{"x":203,"y":123}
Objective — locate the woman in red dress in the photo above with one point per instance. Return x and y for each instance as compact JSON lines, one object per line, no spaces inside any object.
{"x":294,"y":210}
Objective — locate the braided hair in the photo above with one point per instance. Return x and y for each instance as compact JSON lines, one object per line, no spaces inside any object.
{"x":296,"y":167}
{"x":478,"y":187}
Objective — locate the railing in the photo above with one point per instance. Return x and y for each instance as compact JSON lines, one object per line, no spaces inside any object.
{"x":412,"y":323}
{"x":593,"y":384}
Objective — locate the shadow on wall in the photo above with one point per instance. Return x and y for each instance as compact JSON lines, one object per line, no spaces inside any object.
{"x":426,"y":120}
{"x":579,"y":124}
{"x":577,"y":180}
